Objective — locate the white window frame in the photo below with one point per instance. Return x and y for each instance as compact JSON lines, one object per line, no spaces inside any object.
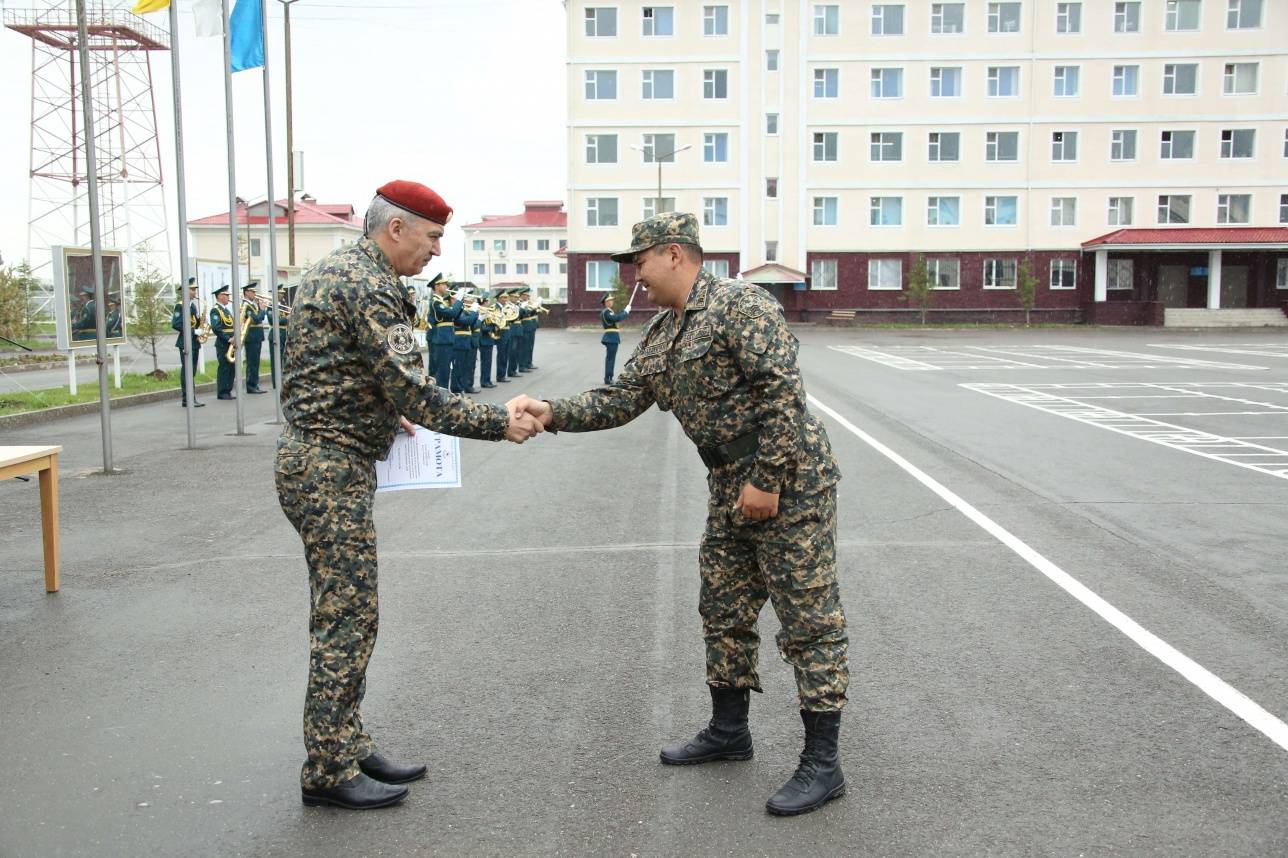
{"x":935,"y":210}
{"x":713,"y":81}
{"x":1172,"y":15}
{"x":543,"y":244}
{"x":480,"y":269}
{"x":1126,"y":81}
{"x":1228,"y":136}
{"x":711,"y":147}
{"x":649,"y":22}
{"x":826,"y":211}
{"x":771,"y":251}
{"x":937,"y":81}
{"x":884,"y":78}
{"x":593,"y":212}
{"x":822,"y":275}
{"x":520,"y":268}
{"x":937,"y":19}
{"x":819,"y":142}
{"x":657,"y":205}
{"x":1230,"y":78}
{"x":885,"y":146}
{"x":598,"y":265}
{"x":498,"y":245}
{"x":1066,"y":81}
{"x":1171,"y":79}
{"x":591,"y":19}
{"x":992,"y":206}
{"x":881,"y":26}
{"x":543,"y":267}
{"x":771,"y":187}
{"x":1225,"y":204}
{"x":1000,"y":271}
{"x":935,"y":146}
{"x":594,"y":143}
{"x":771,"y":60}
{"x":1124,"y":20}
{"x":1068,"y":17}
{"x":1064,"y":211}
{"x":827,"y":82}
{"x":1167,"y":144}
{"x":995,"y":78}
{"x":996,"y":21}
{"x":1064,"y":144}
{"x":935,"y":268}
{"x":1283,"y":208}
{"x":592,"y":86}
{"x":885,"y":274}
{"x":478,"y":245}
{"x":1118,"y":143}
{"x":1281,"y":273}
{"x":520,"y":244}
{"x":827,"y":19}
{"x":649,"y":146}
{"x":1062,"y":266}
{"x":717,"y":267}
{"x":771,"y":124}
{"x":499,"y":268}
{"x":877,"y":211}
{"x":712,"y":23}
{"x":994,"y":146}
{"x":715,"y":211}
{"x":1164,"y":212}
{"x":1234,"y":14}
{"x":649,"y":80}
{"x":1120,"y":211}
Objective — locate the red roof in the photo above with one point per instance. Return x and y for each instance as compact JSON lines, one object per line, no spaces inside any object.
{"x":1221,"y":235}
{"x":306,"y":212}
{"x":538,"y":214}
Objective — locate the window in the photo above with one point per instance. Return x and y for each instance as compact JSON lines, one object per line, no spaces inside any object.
{"x":543,"y":244}
{"x":945,"y":82}
{"x":1122,"y":144}
{"x":771,"y":123}
{"x":1233,"y":208}
{"x":771,"y":187}
{"x":601,"y":148}
{"x":886,"y":146}
{"x":1003,"y":81}
{"x":1120,"y":211}
{"x":944,"y":146}
{"x":1064,"y":145}
{"x":886,"y":211}
{"x":543,"y":267}
{"x":1000,"y":211}
{"x":1240,"y":79}
{"x":498,"y":268}
{"x":715,"y":211}
{"x":1180,"y":78}
{"x":1238,"y":142}
{"x":1064,"y":273}
{"x":947,"y":17}
{"x":1002,"y":146}
{"x":771,"y":60}
{"x":657,"y":205}
{"x":1281,"y":274}
{"x":718,"y":267}
{"x":885,"y":274}
{"x":771,"y":19}
{"x":563,"y":267}
{"x":999,"y":273}
{"x":1003,"y":17}
{"x":601,"y":85}
{"x":1126,"y":80}
{"x":887,"y":19}
{"x":498,"y":245}
{"x":1182,"y":15}
{"x":771,"y":251}
{"x":943,"y":211}
{"x":601,"y":211}
{"x":1065,"y":81}
{"x":659,"y":21}
{"x":945,"y":273}
{"x":1176,"y":145}
{"x":887,"y":83}
{"x":715,"y":20}
{"x":255,"y":248}
{"x":480,"y":269}
{"x":477,"y":245}
{"x":827,"y":19}
{"x":825,"y":211}
{"x":1243,"y":15}
{"x":1173,"y":208}
{"x":826,"y":82}
{"x":1068,"y":17}
{"x":824,"y":145}
{"x":520,"y":268}
{"x":715,"y":148}
{"x":1283,"y":208}
{"x":1119,"y":274}
{"x":601,"y":22}
{"x":600,"y":274}
{"x":822,"y":274}
{"x":1127,"y":17}
{"x":520,"y":244}
{"x":658,"y":148}
{"x":657,"y":83}
{"x":1286,"y":142}
{"x":715,"y":83}
{"x":1064,"y":211}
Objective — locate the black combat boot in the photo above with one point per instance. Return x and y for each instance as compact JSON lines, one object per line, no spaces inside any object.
{"x":357,"y":793}
{"x":387,"y":771}
{"x":726,"y":737}
{"x":818,"y":778}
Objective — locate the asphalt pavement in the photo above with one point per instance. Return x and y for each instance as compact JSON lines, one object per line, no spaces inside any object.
{"x":1062,"y":557}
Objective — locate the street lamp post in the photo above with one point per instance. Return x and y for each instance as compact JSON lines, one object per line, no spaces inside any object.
{"x":658,"y":158}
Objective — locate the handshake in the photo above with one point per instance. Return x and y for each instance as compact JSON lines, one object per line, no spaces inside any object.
{"x":528,"y":417}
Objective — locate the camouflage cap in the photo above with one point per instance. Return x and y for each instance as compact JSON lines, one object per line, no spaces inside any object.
{"x":664,"y":228}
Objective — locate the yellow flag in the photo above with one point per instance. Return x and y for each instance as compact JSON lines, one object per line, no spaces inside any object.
{"x":142,"y":7}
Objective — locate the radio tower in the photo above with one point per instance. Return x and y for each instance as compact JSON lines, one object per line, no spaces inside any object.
{"x":131,"y":198}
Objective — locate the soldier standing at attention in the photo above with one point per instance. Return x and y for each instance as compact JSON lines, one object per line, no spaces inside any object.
{"x":442,"y":318}
{"x":612,"y":338}
{"x":253,"y":317}
{"x":503,"y":342}
{"x":464,"y":330}
{"x":720,"y":356}
{"x":353,"y":371}
{"x":189,"y":355}
{"x":491,"y":334}
{"x":221,"y":324}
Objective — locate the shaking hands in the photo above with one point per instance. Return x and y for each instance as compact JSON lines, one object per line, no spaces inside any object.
{"x":528,"y":417}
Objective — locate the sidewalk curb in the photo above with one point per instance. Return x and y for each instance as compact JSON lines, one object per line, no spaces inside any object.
{"x":48,"y":415}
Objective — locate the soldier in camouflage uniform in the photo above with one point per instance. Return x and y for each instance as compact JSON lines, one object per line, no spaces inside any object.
{"x":353,"y":371}
{"x":720,"y":356}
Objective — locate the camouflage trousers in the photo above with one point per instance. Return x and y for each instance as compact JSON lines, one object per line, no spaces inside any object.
{"x":789,"y":560}
{"x":328,"y":496}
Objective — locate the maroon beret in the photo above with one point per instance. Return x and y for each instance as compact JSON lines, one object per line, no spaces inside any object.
{"x":417,"y":199}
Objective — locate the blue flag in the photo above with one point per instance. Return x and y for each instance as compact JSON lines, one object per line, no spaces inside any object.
{"x":246,"y":35}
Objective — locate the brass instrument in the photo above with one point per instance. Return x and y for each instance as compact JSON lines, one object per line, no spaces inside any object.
{"x":231,"y":354}
{"x":202,"y":329}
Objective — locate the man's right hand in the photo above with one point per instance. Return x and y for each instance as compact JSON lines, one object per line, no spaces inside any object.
{"x":522,"y":426}
{"x":539,"y":409}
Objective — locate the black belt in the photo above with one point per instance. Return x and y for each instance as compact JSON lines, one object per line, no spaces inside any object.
{"x":727,"y":454}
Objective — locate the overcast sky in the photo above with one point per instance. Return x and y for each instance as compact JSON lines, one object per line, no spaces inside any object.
{"x":467,"y":96}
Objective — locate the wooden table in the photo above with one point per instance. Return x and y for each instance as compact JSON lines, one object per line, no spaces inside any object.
{"x":16,"y":461}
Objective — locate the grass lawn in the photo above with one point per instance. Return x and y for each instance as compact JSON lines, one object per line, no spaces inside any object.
{"x":131,"y":383}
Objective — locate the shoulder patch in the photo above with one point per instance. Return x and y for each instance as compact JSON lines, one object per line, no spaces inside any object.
{"x":750,"y":305}
{"x":400,"y":338}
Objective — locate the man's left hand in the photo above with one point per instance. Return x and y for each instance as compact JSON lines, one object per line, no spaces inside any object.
{"x":755,"y":504}
{"x":407,"y":426}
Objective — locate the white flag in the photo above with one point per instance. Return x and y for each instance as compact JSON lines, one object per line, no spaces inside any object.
{"x":208,"y":15}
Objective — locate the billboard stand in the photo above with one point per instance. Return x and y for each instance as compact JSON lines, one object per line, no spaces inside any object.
{"x":71,"y":372}
{"x":116,"y":364}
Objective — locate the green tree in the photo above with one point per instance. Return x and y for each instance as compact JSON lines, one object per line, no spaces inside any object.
{"x":918,"y":291}
{"x":19,"y":317}
{"x":1026,"y":288}
{"x":621,"y":293}
{"x":150,"y":312}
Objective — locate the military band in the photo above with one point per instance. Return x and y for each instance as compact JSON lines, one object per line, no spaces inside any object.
{"x":199,"y":334}
{"x":221,"y":324}
{"x":253,"y":315}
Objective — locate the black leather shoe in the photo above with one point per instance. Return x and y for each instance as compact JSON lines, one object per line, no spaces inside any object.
{"x":487,"y":385}
{"x":194,"y":405}
{"x":224,"y":396}
{"x":357,"y":793}
{"x":503,"y":381}
{"x":256,"y":390}
{"x":531,"y":368}
{"x":387,"y":771}
{"x":726,"y":737}
{"x":818,"y":778}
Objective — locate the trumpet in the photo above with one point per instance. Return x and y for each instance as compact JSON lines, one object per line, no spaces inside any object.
{"x":201,"y":329}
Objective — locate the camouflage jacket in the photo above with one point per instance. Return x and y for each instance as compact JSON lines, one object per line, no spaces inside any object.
{"x":726,"y":367}
{"x":353,"y":366}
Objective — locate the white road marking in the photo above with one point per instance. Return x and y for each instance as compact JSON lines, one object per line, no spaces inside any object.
{"x":932,"y":359}
{"x":1271,"y":350}
{"x":1209,"y":683}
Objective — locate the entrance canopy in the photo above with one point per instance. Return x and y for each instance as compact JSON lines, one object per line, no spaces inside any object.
{"x":772,"y":272}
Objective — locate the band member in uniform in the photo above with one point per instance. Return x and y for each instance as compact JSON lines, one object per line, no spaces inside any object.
{"x":612,"y":338}
{"x":519,"y":341}
{"x":490,"y":327}
{"x":285,"y":319}
{"x":221,"y":324}
{"x":191,"y":353}
{"x":253,"y":314}
{"x":443,"y":312}
{"x":463,"y":330}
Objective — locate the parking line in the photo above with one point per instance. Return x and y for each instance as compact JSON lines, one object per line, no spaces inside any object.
{"x":1209,"y":683}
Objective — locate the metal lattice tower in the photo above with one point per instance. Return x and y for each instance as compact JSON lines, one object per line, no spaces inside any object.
{"x":131,"y":198}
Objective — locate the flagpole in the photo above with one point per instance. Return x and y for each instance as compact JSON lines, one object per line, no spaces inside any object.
{"x":95,"y":239}
{"x":239,"y":394}
{"x":184,"y":301}
{"x":276,"y":344}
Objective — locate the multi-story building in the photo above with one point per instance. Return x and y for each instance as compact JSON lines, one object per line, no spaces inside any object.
{"x":838,"y":142}
{"x":520,"y":249}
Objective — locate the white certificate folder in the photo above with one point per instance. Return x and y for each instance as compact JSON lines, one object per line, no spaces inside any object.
{"x":427,"y":461}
